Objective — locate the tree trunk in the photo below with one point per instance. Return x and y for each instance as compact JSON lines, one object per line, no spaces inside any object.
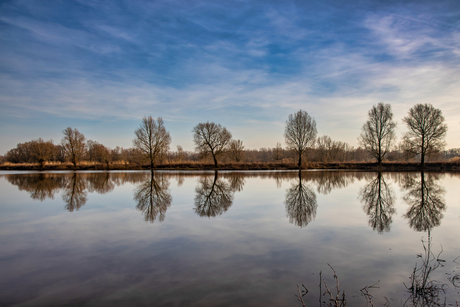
{"x":300,"y":161}
{"x":215,"y":160}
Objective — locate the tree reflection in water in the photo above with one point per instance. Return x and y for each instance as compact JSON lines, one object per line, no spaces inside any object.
{"x":378,"y":199}
{"x":75,"y":192}
{"x":100,"y":183}
{"x":40,"y":187}
{"x":153,"y":197}
{"x":300,"y":203}
{"x":426,"y":201}
{"x":214,"y":195}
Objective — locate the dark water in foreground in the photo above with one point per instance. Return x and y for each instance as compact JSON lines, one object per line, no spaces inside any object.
{"x":232,"y":238}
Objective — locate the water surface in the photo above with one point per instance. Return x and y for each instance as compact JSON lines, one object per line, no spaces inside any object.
{"x":228,"y":238}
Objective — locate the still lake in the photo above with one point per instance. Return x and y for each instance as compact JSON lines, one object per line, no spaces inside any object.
{"x":228,"y":238}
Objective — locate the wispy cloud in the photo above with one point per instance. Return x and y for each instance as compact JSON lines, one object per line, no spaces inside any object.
{"x":246,"y":65}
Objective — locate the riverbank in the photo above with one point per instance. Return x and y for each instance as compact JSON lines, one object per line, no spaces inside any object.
{"x":365,"y":166}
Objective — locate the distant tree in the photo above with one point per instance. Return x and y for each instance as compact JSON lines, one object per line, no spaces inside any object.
{"x":99,"y":153}
{"x":41,"y":151}
{"x":378,"y":132}
{"x":236,"y":150}
{"x":211,"y":138}
{"x":74,"y":145}
{"x":329,"y":150}
{"x":300,"y":133}
{"x":152,"y":138}
{"x":180,"y":153}
{"x":426,"y":129}
{"x":278,"y":152}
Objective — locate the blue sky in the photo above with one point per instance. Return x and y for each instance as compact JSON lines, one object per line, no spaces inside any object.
{"x":100,"y":66}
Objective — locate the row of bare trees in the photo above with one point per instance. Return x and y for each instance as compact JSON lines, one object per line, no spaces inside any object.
{"x":426,"y":133}
{"x":425,"y":137}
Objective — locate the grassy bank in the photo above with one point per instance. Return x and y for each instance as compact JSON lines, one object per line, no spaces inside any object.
{"x":365,"y":166}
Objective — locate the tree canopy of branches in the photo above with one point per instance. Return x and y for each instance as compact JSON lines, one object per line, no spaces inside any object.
{"x":236,"y":150}
{"x":378,"y":132}
{"x":98,"y":152}
{"x":152,"y":138}
{"x":300,"y":133}
{"x":426,"y":129}
{"x":328,"y":150}
{"x":35,"y":151}
{"x":74,"y":145}
{"x":211,"y":138}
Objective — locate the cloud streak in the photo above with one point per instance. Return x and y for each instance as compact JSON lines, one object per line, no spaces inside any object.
{"x":245,"y":65}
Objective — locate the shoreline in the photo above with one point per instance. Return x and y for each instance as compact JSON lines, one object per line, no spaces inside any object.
{"x":355,"y":166}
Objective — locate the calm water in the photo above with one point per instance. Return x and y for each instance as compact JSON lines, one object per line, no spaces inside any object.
{"x":228,"y":238}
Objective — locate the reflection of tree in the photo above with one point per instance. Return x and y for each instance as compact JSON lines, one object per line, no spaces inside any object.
{"x":153,"y":198}
{"x":300,"y":203}
{"x":329,"y":180}
{"x":75,"y":192}
{"x":236,"y":182}
{"x":100,"y":183}
{"x":426,"y":200}
{"x":213,"y":196}
{"x":378,"y":199}
{"x":40,"y":186}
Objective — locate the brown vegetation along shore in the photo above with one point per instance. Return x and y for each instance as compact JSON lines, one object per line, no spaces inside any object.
{"x":386,"y":166}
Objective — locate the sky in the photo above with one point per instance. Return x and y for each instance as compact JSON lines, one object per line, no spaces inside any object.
{"x":101,"y":66}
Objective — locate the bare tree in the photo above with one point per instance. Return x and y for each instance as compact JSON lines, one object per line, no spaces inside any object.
{"x":41,"y":151}
{"x":74,"y":145}
{"x":278,"y":152}
{"x":329,"y":150}
{"x":426,"y":129}
{"x":152,"y":138}
{"x":211,"y":138}
{"x":378,"y":132}
{"x":236,"y":150}
{"x":98,"y":152}
{"x":300,"y":133}
{"x":180,"y":153}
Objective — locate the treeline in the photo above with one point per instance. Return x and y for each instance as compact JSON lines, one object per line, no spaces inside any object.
{"x":214,"y":144}
{"x":40,"y":151}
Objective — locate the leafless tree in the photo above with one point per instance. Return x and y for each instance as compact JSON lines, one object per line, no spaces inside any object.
{"x":378,"y":132}
{"x":278,"y":152}
{"x":74,"y":145}
{"x":152,"y":138}
{"x":41,"y":151}
{"x":211,"y":138}
{"x":180,"y":153}
{"x":236,"y":150}
{"x":330,"y":151}
{"x":426,"y":129}
{"x":300,"y":133}
{"x":98,"y":152}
